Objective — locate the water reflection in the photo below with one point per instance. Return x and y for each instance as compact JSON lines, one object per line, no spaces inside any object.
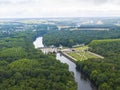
{"x":83,"y":83}
{"x":38,"y":42}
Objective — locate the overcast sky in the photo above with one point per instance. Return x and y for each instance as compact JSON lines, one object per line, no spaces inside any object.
{"x":58,"y":8}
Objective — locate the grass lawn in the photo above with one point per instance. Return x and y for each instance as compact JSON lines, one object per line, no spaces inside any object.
{"x":81,"y":54}
{"x":81,"y":48}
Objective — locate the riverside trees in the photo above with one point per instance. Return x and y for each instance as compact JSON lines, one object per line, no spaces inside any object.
{"x":103,"y":72}
{"x":70,"y":38}
{"x":24,"y":68}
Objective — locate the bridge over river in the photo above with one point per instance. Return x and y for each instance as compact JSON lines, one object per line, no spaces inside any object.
{"x":49,"y":49}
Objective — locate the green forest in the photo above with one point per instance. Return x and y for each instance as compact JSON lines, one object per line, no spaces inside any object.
{"x":104,"y":73}
{"x":24,"y":68}
{"x":70,"y":38}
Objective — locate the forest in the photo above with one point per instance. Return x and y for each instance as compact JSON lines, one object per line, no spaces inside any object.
{"x":104,"y":73}
{"x":69,"y":38}
{"x":24,"y":68}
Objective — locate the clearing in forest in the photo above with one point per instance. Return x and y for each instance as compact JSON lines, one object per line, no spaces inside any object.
{"x":81,"y":53}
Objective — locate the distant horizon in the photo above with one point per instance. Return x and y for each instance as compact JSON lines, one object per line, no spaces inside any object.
{"x":58,"y":17}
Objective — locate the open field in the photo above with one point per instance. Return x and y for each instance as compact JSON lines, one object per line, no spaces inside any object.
{"x":80,"y":48}
{"x":81,"y":54}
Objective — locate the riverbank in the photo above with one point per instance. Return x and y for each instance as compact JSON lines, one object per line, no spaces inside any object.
{"x":83,"y":74}
{"x":83,"y":83}
{"x":68,"y":56}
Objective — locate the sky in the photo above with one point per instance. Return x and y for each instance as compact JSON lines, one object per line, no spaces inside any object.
{"x":59,"y":8}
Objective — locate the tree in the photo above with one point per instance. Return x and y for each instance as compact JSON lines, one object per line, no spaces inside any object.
{"x":104,"y":86}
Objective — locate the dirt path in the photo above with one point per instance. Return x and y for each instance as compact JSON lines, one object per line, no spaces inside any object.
{"x":96,"y":54}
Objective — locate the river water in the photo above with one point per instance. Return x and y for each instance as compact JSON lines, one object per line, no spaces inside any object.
{"x":83,"y":82}
{"x":38,"y":42}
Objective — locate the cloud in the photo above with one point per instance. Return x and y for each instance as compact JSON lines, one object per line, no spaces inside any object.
{"x":12,"y":2}
{"x":97,"y":1}
{"x":61,"y":8}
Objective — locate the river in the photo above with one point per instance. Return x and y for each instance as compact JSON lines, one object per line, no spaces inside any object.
{"x":38,"y":42}
{"x":83,"y":82}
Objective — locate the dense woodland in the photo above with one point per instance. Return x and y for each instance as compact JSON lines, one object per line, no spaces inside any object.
{"x":24,"y":68}
{"x":105,"y":73}
{"x":70,"y":38}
